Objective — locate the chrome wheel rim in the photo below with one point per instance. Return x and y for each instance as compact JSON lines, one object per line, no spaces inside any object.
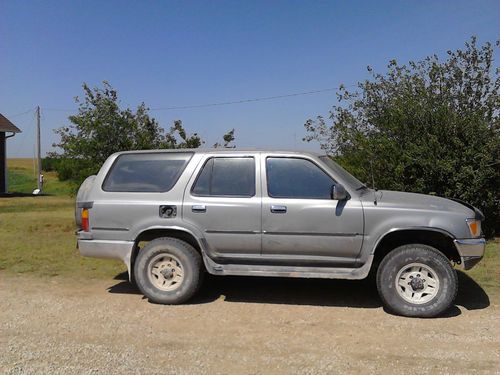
{"x":417,"y":283}
{"x":165,"y":272}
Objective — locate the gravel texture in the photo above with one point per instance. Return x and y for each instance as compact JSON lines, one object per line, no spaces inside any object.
{"x":238,"y":326}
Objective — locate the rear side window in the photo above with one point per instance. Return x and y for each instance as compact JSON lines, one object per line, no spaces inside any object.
{"x":297,"y":178}
{"x":152,"y":173}
{"x":226,"y":177}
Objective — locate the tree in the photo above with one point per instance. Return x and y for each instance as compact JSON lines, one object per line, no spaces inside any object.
{"x":228,"y":138}
{"x":429,"y":126}
{"x":178,"y":138}
{"x":101,"y":128}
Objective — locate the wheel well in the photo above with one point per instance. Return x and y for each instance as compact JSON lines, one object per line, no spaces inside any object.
{"x":438,"y":240}
{"x":152,"y":234}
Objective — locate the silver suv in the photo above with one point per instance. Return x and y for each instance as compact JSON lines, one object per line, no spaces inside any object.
{"x":172,"y":215}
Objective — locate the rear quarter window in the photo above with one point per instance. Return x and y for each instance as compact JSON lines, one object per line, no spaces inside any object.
{"x":153,"y":173}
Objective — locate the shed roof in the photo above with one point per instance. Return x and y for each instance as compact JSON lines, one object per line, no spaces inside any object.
{"x":7,"y":126}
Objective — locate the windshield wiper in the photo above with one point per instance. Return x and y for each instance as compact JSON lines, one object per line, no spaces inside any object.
{"x":362,"y":187}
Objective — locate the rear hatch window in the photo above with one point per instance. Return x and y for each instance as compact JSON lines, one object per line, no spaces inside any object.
{"x":146,"y":172}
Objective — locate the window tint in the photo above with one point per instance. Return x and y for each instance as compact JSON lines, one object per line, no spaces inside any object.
{"x":226,"y":177}
{"x":297,"y":178}
{"x":156,"y":172}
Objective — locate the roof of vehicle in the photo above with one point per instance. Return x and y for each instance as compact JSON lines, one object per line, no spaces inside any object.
{"x":228,"y":151}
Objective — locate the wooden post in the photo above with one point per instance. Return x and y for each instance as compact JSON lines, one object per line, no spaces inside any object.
{"x":38,"y":149}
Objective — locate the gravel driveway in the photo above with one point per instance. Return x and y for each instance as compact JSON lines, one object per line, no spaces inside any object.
{"x":238,"y":326}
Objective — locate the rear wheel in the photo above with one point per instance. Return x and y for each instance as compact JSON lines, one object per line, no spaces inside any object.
{"x":168,"y":271}
{"x":417,"y":281}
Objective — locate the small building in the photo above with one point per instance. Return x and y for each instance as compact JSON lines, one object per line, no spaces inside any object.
{"x":5,"y":127}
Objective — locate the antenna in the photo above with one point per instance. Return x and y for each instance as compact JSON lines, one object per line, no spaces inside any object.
{"x":373,"y":182}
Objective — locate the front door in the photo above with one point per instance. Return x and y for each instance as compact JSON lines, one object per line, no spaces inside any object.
{"x":224,"y":201}
{"x":300,"y":221}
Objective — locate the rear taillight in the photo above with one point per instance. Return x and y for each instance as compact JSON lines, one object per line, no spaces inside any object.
{"x":85,"y":219}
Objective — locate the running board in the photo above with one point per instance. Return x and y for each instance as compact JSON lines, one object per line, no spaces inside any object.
{"x":288,"y":271}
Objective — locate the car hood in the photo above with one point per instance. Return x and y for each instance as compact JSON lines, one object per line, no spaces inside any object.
{"x":401,"y":200}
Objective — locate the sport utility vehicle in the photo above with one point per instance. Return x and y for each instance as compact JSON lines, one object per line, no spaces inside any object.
{"x":172,"y":215}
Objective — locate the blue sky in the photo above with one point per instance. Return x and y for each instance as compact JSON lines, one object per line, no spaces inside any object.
{"x":175,"y":53}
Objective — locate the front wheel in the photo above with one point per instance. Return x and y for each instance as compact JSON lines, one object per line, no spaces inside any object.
{"x":417,"y":281}
{"x":168,"y":271}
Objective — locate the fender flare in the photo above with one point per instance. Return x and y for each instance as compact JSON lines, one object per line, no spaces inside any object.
{"x":416,"y":228}
{"x":200,"y":240}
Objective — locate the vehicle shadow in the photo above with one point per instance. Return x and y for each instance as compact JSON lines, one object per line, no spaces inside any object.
{"x":471,"y":295}
{"x":314,"y":292}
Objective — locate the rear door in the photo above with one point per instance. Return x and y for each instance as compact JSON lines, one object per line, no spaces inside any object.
{"x":300,"y":221}
{"x":223,"y":199}
{"x":127,"y":199}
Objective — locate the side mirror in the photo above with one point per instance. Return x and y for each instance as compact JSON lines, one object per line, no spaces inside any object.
{"x":339,"y":193}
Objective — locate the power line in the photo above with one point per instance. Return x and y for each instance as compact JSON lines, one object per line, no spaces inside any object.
{"x":57,"y":109}
{"x":20,"y":114}
{"x":247,"y":100}
{"x":240,"y":101}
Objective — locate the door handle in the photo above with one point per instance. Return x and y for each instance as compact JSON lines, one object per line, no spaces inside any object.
{"x":278,"y":209}
{"x":199,"y":208}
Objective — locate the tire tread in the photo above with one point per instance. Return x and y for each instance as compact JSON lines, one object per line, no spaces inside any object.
{"x":410,"y":249}
{"x":194,"y":257}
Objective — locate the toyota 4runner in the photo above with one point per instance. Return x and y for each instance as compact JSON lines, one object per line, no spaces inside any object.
{"x":171,"y":215}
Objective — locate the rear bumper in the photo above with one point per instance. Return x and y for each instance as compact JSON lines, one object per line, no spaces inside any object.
{"x":471,"y":251}
{"x":121,"y":250}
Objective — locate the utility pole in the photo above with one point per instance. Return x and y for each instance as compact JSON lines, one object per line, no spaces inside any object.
{"x":38,"y":149}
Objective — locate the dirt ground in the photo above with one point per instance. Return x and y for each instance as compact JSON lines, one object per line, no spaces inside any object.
{"x":238,"y":326}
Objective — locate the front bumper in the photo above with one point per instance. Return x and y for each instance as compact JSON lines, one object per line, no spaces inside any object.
{"x":121,"y":250}
{"x":471,"y":251}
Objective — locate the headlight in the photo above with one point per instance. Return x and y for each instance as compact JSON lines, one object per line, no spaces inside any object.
{"x":474,"y":227}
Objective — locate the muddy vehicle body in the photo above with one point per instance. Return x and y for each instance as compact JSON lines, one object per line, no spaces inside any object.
{"x":172,"y":215}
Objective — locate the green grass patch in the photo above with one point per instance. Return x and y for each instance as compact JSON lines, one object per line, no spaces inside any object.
{"x":487,"y":272}
{"x":37,"y":233}
{"x":22,"y":179}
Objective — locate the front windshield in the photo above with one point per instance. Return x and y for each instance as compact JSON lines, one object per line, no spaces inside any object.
{"x":348,"y":178}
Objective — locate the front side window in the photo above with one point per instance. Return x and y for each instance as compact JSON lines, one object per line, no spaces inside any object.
{"x":145,"y":172}
{"x":297,"y":178}
{"x":226,"y":177}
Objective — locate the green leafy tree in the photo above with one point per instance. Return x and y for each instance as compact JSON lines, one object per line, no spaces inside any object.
{"x":228,"y":138}
{"x":178,"y":138}
{"x":430,"y":126}
{"x":101,"y":128}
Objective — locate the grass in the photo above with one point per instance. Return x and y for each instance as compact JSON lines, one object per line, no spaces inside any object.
{"x":37,"y":235}
{"x":22,"y":179}
{"x":487,"y":272}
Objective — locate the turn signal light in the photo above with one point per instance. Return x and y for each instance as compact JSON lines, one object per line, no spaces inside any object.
{"x":474,"y":227}
{"x":85,"y":219}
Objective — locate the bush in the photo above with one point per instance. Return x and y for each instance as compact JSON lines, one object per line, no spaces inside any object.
{"x":427,"y":126}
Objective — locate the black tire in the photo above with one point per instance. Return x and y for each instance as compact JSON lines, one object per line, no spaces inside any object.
{"x":393,"y":263}
{"x":190,"y":263}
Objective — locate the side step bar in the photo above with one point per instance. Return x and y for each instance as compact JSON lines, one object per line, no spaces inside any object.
{"x":287,"y":271}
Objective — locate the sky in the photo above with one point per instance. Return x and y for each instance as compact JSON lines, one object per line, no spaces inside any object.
{"x":184,"y":53}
